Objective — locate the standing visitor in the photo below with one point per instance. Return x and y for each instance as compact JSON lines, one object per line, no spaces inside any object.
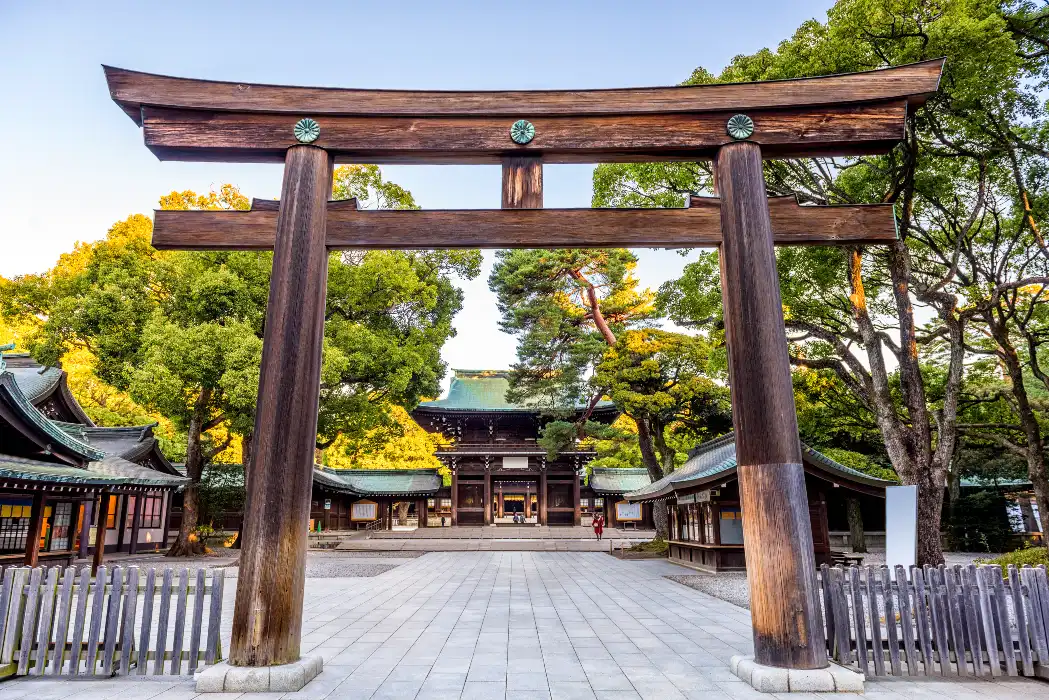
{"x":599,"y":525}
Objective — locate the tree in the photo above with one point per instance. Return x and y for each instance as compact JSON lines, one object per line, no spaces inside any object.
{"x":583,"y":332}
{"x":851,"y":312}
{"x":181,"y":332}
{"x":388,"y":315}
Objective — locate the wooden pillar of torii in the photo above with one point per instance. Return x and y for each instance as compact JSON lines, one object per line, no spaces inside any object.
{"x":736,"y":126}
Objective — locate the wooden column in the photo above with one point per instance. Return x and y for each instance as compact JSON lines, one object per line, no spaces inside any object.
{"x":780,"y":564}
{"x":528,"y":501}
{"x":100,"y":531}
{"x":87,"y":508}
{"x":522,"y":182}
{"x":120,"y":520}
{"x":168,"y":497}
{"x":455,"y":497}
{"x":542,"y":497}
{"x":499,"y":498}
{"x":36,"y":526}
{"x":267,"y":619}
{"x":136,"y":522}
{"x":487,"y":497}
{"x":577,"y":518}
{"x":420,"y":512}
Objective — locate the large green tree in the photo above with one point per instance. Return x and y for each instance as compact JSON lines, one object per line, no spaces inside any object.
{"x":851,"y":312}
{"x":181,"y":332}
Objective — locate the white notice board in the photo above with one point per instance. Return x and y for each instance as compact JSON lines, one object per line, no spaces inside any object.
{"x":628,"y":511}
{"x":364,"y":510}
{"x":901,"y":526}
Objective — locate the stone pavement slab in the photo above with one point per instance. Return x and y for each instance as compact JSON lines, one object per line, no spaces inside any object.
{"x":519,"y":625}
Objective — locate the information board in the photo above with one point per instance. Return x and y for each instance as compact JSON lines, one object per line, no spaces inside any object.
{"x":364,"y":510}
{"x":628,"y":511}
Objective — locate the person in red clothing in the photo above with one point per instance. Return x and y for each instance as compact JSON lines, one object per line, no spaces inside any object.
{"x":599,"y":525}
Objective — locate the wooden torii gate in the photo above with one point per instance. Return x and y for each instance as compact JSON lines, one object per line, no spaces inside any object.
{"x":309,"y":129}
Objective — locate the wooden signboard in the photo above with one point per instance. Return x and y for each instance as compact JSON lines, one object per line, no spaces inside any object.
{"x":628,"y":512}
{"x":364,"y":511}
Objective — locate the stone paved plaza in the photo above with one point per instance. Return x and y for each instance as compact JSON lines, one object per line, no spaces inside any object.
{"x":519,"y":626}
{"x":483,"y":539}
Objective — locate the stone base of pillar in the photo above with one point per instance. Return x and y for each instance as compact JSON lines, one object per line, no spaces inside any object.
{"x":772,"y":679}
{"x":286,"y":678}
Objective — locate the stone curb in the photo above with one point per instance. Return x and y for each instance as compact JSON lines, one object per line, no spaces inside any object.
{"x":771,"y":679}
{"x":287,"y":678}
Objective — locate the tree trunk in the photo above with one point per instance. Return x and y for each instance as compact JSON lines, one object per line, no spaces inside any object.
{"x":855,"y":515}
{"x":660,"y":519}
{"x":245,"y":460}
{"x":1034,"y":450}
{"x":930,"y":509}
{"x":402,"y":513}
{"x":187,"y":543}
{"x":909,"y":443}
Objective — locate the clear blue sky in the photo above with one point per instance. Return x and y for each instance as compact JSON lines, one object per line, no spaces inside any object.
{"x":73,"y":163}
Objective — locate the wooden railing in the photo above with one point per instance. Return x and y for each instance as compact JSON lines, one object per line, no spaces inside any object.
{"x":959,"y":620}
{"x":69,"y":623}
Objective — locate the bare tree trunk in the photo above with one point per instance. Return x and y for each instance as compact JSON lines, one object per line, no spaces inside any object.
{"x":660,"y":518}
{"x":855,"y":515}
{"x":187,"y":544}
{"x":402,"y":513}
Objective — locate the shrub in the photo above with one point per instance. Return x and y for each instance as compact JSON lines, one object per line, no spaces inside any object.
{"x":1025,"y":556}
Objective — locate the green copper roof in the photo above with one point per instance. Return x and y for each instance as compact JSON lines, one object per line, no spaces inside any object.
{"x":482,"y":390}
{"x":34,"y":416}
{"x":36,"y":381}
{"x":32,"y":470}
{"x":379,"y":482}
{"x":111,"y":471}
{"x":618,"y":480}
{"x":717,"y":460}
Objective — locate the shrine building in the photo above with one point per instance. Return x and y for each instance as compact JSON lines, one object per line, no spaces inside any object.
{"x":59,"y":472}
{"x":498,"y":469}
{"x":706,"y":519}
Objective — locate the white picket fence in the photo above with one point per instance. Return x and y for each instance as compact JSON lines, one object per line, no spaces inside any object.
{"x":64,"y":622}
{"x":957,"y":620}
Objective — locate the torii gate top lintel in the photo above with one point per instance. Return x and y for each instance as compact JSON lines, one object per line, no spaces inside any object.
{"x":853,"y":113}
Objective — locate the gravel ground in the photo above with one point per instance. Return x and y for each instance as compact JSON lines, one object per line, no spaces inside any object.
{"x":371,"y":554}
{"x":732,"y":586}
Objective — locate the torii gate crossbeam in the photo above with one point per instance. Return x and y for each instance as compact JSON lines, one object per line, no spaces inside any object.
{"x":309,"y":129}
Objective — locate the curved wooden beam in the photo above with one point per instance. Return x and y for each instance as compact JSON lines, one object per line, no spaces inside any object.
{"x":133,"y":90}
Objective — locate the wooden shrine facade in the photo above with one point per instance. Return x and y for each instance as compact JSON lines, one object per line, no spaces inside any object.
{"x":735,"y":126}
{"x":500,"y":475}
{"x":69,"y":490}
{"x":706,"y":518}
